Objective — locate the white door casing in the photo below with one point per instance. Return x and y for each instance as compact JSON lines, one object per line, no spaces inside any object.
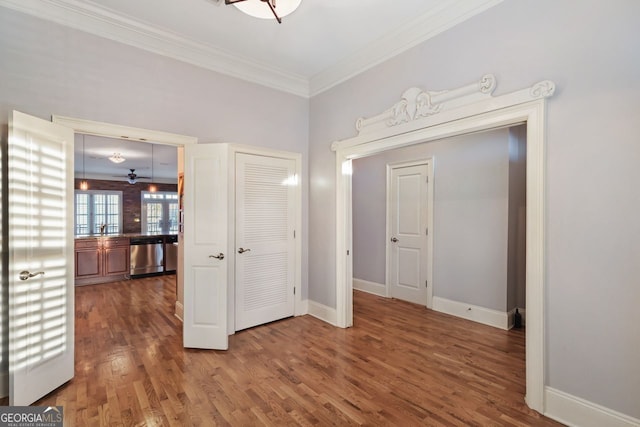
{"x":423,"y":116}
{"x":205,"y":246}
{"x":110,"y":130}
{"x":407,"y":232}
{"x":41,"y":303}
{"x":265,"y":259}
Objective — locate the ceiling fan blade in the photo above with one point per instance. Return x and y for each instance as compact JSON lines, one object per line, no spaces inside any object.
{"x":232,"y":1}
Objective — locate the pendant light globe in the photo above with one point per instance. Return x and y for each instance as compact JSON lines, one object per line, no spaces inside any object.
{"x":258,"y":8}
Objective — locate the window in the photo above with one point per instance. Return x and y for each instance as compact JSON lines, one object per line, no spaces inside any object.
{"x":95,"y":208}
{"x":159,"y":212}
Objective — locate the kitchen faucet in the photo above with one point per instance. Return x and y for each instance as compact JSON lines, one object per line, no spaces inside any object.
{"x":102,"y":229}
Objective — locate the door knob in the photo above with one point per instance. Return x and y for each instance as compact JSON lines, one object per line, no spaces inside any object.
{"x":393,"y":239}
{"x":220,"y":256}
{"x":243,"y":250}
{"x":24,"y":275}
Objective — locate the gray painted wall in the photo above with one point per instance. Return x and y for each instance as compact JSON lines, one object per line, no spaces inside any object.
{"x":48,"y":69}
{"x":470,"y":216}
{"x":517,"y":239}
{"x":590,"y":49}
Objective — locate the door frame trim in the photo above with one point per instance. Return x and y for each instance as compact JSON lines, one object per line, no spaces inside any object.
{"x":429,"y":162}
{"x":110,"y":130}
{"x":422,"y":116}
{"x":91,"y":127}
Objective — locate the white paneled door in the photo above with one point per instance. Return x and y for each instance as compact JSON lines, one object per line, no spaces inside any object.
{"x":408,"y":220}
{"x":41,"y":276}
{"x":265,"y":245}
{"x":205,"y":245}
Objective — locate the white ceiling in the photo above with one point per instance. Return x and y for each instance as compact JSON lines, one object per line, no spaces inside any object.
{"x":319,"y":45}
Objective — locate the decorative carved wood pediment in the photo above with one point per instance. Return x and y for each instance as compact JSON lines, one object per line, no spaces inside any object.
{"x":416,"y":103}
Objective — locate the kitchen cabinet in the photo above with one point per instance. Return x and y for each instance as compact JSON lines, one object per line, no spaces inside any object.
{"x":101,"y":260}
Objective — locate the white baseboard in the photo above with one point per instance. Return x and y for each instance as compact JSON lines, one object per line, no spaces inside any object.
{"x":486,"y":316}
{"x":4,"y":384}
{"x":179,"y":311}
{"x":324,"y":313}
{"x":302,"y":308}
{"x":370,"y":287}
{"x":574,"y":411}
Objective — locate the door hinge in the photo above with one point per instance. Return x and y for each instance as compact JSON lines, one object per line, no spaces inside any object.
{"x":427,"y":178}
{"x":427,"y":231}
{"x":426,"y":284}
{"x":294,"y":290}
{"x":347,"y":251}
{"x":294,"y":234}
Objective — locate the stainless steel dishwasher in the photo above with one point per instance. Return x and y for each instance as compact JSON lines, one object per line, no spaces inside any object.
{"x":147,"y":255}
{"x":170,"y":253}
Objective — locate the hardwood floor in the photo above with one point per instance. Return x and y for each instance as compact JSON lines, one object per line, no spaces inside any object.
{"x":399,"y":365}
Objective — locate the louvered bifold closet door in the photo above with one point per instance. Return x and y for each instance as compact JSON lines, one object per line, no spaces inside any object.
{"x":265,"y":248}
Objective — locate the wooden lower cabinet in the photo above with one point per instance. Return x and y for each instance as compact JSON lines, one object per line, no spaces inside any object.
{"x":116,"y":257}
{"x":101,"y":260}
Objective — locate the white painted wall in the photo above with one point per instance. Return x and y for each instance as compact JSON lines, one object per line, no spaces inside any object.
{"x":590,"y":50}
{"x":470,"y":216}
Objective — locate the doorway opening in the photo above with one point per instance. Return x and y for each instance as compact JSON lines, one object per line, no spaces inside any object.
{"x":422,"y":116}
{"x":146,"y":136}
{"x":477,"y":226}
{"x":461,"y":232}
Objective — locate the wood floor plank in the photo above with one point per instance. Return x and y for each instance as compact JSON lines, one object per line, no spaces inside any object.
{"x":399,"y":365}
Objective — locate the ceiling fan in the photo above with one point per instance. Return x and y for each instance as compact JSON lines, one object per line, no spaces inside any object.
{"x":133,"y":177}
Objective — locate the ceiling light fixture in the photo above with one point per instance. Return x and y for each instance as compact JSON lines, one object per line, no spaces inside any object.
{"x":152,"y":186}
{"x":84,"y":185}
{"x":117,"y":158}
{"x":275,"y":8}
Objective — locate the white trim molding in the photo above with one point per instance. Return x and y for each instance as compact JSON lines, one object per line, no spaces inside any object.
{"x":447,"y":14}
{"x":4,"y":384}
{"x":103,"y":22}
{"x":322,"y":312}
{"x":179,"y":311}
{"x":303,"y":309}
{"x":374,"y":288}
{"x":421,"y":116}
{"x":574,"y":411}
{"x":100,"y":21}
{"x":475,"y":313}
{"x":110,"y":130}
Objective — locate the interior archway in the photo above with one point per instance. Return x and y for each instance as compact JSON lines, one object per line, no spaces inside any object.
{"x":422,"y":116}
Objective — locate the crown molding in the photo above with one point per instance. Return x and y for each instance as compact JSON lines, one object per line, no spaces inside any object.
{"x":448,"y":14}
{"x":96,"y":20}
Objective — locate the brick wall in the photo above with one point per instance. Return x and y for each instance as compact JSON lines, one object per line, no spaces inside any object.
{"x":131,"y":205}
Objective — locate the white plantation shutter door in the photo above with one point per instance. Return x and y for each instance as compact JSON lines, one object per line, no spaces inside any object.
{"x":41,"y":269}
{"x":265,"y":249}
